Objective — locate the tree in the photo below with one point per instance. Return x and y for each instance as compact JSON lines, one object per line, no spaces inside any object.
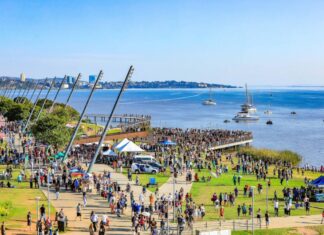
{"x":51,"y":130}
{"x":18,"y":112}
{"x":5,"y":104}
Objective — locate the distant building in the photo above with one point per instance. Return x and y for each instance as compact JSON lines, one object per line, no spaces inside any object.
{"x":22,"y":77}
{"x":70,"y":79}
{"x":92,"y":79}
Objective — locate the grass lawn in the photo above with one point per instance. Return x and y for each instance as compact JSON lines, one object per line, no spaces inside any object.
{"x":144,"y":179}
{"x":91,"y":129}
{"x":203,"y":191}
{"x":23,"y":199}
{"x":285,"y":231}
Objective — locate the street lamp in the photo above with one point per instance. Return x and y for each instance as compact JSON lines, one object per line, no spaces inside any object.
{"x":252,"y":187}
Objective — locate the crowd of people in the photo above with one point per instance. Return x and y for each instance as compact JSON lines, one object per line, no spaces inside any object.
{"x":152,"y":211}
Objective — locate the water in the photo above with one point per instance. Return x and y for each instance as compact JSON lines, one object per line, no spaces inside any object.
{"x":303,"y":133}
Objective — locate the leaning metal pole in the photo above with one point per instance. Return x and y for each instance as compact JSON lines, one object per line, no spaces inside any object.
{"x":25,"y":95}
{"x":68,"y":147}
{"x":31,"y":98}
{"x":12,"y":96}
{"x":44,"y":101}
{"x":34,"y":106}
{"x":103,"y":135}
{"x":74,"y":85}
{"x":58,"y":91}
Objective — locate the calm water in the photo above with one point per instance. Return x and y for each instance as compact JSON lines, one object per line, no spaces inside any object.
{"x":303,"y":133}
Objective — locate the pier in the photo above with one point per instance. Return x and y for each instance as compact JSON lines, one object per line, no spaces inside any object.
{"x":232,"y":144}
{"x":126,"y":119}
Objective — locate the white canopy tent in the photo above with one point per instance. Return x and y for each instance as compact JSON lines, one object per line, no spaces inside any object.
{"x":122,"y":143}
{"x":130,"y":147}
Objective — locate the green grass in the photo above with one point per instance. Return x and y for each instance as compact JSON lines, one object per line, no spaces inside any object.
{"x":282,"y":231}
{"x":144,"y":179}
{"x":23,"y":199}
{"x":203,"y":191}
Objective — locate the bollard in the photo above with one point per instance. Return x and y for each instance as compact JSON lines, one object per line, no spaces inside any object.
{"x":233,"y":225}
{"x":247,"y":225}
{"x":206,"y":224}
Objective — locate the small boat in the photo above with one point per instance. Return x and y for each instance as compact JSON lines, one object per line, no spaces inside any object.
{"x":293,"y":113}
{"x":245,"y":116}
{"x":268,"y":112}
{"x":269,"y":122}
{"x":227,"y":121}
{"x":248,"y":106}
{"x":209,"y":101}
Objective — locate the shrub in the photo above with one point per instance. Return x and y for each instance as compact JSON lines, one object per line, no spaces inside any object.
{"x":271,"y":155}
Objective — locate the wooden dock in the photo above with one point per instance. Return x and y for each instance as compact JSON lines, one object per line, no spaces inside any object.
{"x":233,"y":144}
{"x":122,"y":119}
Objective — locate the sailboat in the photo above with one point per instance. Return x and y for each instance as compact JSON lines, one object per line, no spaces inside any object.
{"x":248,"y":106}
{"x":268,"y":111}
{"x":247,"y":109}
{"x":209,"y":101}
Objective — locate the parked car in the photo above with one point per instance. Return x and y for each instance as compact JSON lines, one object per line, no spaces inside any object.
{"x":144,"y":168}
{"x":143,"y":158}
{"x":156,"y":165}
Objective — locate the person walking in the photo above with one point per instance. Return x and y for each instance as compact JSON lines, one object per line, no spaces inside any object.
{"x":267,"y":219}
{"x":3,"y":229}
{"x":78,"y":211}
{"x":102,"y":229}
{"x":94,"y":220}
{"x":29,"y":221}
{"x":57,"y":191}
{"x":259,"y":216}
{"x":276,"y":208}
{"x":91,"y":229}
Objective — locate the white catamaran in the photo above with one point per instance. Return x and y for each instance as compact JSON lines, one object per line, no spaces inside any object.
{"x":248,"y":110}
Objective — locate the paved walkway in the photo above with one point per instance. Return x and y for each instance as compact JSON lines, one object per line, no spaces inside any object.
{"x":68,"y":201}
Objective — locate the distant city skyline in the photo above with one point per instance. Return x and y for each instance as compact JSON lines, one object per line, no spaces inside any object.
{"x":227,"y":42}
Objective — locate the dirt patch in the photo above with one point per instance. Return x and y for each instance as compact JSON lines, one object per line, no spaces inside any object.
{"x":307,"y":231}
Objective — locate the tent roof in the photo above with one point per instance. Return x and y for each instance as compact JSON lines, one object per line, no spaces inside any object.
{"x":167,"y":142}
{"x":122,"y":143}
{"x":319,"y":182}
{"x":130,"y":147}
{"x":109,"y":152}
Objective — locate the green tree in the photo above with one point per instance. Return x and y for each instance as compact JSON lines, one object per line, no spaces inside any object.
{"x":18,"y":112}
{"x":51,"y":130}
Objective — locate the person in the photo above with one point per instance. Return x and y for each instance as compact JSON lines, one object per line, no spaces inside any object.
{"x":322,"y":217}
{"x":94,"y":220}
{"x":78,"y":211}
{"x":276,"y":208}
{"x":29,"y":221}
{"x":42,"y":212}
{"x":3,"y":229}
{"x":84,"y":195}
{"x":57,"y":191}
{"x":102,"y":229}
{"x":266,"y":216}
{"x":259,"y":216}
{"x":307,"y":205}
{"x":91,"y":229}
{"x":222,"y":213}
{"x":238,"y":211}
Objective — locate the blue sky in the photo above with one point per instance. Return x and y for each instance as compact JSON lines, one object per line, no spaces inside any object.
{"x":231,"y":42}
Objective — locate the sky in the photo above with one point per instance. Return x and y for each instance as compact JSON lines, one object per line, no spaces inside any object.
{"x":229,"y":42}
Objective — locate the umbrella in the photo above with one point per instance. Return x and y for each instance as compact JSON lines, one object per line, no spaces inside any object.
{"x":147,"y":214}
{"x":319,"y":182}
